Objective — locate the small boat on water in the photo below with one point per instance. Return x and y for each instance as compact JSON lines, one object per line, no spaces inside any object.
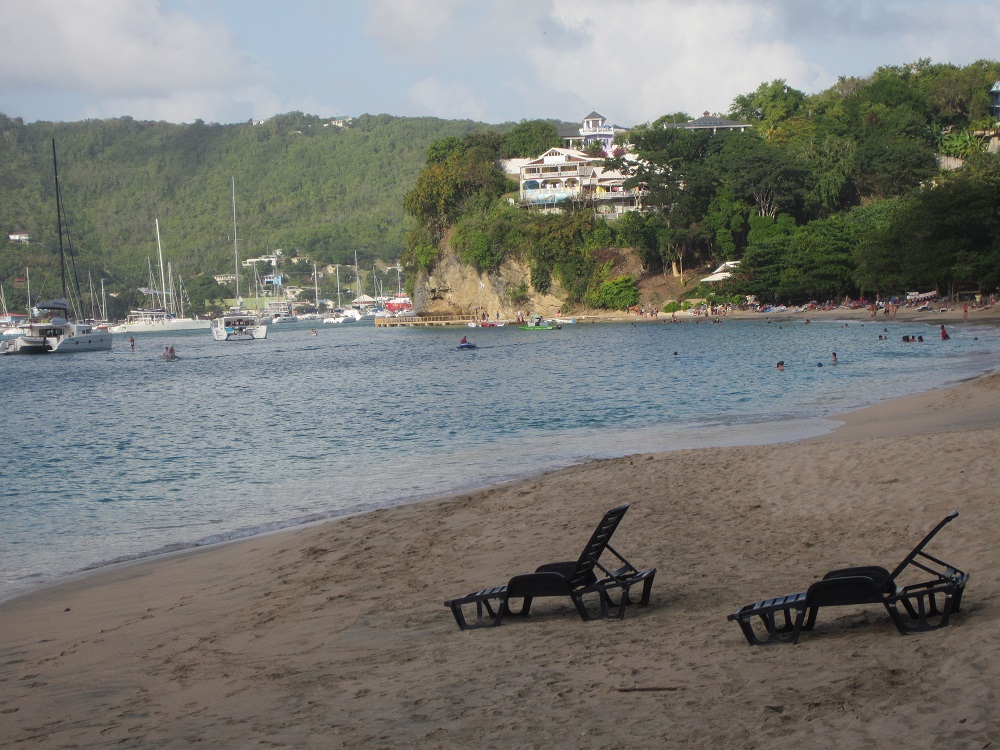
{"x":238,"y":326}
{"x":538,"y":323}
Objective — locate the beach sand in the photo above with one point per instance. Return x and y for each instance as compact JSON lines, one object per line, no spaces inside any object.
{"x":335,"y":635}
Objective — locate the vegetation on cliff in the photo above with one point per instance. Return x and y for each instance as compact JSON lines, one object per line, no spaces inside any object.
{"x":834,"y":194}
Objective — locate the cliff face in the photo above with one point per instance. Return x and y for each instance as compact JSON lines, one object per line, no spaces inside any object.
{"x":454,"y":288}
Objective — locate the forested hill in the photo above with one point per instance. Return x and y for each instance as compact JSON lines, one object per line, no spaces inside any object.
{"x":302,"y":184}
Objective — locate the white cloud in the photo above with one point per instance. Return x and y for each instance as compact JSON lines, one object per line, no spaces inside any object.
{"x":432,"y":96}
{"x":416,"y":31}
{"x":659,"y":56}
{"x":125,"y":53}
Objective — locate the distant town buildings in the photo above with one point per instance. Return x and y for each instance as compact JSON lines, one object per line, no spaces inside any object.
{"x":23,"y":237}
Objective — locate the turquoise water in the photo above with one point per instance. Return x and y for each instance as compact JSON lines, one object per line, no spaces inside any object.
{"x":113,"y":456}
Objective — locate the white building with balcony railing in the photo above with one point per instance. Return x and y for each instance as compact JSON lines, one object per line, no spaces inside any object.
{"x":593,"y":128}
{"x":565,"y":177}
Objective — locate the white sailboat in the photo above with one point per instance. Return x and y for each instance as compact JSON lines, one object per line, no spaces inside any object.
{"x":238,"y":324}
{"x":169,"y":315}
{"x":58,"y":331}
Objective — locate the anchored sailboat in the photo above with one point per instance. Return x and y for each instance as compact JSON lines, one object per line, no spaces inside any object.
{"x":168,"y":315}
{"x":58,"y":331}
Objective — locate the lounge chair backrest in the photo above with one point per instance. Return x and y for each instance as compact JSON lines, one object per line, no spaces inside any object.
{"x":582,"y":574}
{"x":919,"y":549}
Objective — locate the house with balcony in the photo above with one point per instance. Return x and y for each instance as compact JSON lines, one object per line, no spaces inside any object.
{"x":709,"y":122}
{"x":593,"y":128}
{"x":566,"y":178}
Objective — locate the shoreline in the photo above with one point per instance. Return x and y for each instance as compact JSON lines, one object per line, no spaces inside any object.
{"x":333,"y":634}
{"x":865,"y":421}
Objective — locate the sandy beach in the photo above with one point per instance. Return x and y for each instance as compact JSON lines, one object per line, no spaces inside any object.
{"x":335,"y":635}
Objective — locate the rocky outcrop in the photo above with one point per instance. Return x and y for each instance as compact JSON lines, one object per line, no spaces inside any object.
{"x":454,"y":288}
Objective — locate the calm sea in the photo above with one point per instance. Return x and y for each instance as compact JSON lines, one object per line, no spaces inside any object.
{"x":113,"y":456}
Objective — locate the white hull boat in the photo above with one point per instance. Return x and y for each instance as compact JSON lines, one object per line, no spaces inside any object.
{"x":238,"y":327}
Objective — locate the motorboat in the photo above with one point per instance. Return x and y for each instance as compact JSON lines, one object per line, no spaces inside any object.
{"x":538,"y":323}
{"x":279,"y":312}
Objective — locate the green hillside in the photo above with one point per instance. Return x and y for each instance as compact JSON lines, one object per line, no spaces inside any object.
{"x":302,"y":185}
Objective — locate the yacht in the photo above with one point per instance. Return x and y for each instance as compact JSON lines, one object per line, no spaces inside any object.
{"x":58,"y":333}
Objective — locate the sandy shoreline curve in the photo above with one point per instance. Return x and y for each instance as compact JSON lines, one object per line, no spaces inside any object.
{"x":335,"y":636}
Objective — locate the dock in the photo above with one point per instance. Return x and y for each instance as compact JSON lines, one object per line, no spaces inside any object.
{"x":426,"y":320}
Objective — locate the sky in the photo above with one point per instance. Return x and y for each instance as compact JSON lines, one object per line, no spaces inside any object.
{"x":494,"y":61}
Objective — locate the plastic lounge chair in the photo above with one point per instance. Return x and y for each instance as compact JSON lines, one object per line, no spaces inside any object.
{"x":577,"y":580}
{"x":926,"y":606}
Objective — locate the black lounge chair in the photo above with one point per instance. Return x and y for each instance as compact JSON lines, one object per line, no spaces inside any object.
{"x":576,"y":580}
{"x":927,"y":605}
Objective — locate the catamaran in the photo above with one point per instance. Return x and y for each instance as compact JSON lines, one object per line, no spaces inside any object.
{"x":57,"y":331}
{"x":238,"y":324}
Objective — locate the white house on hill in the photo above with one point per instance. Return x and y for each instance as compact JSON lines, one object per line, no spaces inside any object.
{"x":709,"y":122}
{"x":593,"y":128}
{"x":569,"y":177}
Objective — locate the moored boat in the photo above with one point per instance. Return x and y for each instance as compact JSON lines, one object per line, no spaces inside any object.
{"x":58,"y":331}
{"x":238,"y":326}
{"x":538,"y":323}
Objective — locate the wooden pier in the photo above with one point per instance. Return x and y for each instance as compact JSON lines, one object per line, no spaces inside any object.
{"x":426,"y":320}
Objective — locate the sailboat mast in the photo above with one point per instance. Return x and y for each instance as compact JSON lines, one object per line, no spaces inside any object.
{"x":236,"y":249}
{"x":357,"y":273}
{"x":62,"y":252}
{"x":163,"y":280}
{"x":339,"y":306}
{"x":316,"y":286}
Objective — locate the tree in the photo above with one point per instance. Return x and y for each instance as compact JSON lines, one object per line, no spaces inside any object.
{"x":767,"y":108}
{"x":820,"y":261}
{"x":766,"y":175}
{"x":530,"y":138}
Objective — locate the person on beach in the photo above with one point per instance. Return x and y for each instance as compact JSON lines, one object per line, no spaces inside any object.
{"x":944,"y":333}
{"x":965,"y":312}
